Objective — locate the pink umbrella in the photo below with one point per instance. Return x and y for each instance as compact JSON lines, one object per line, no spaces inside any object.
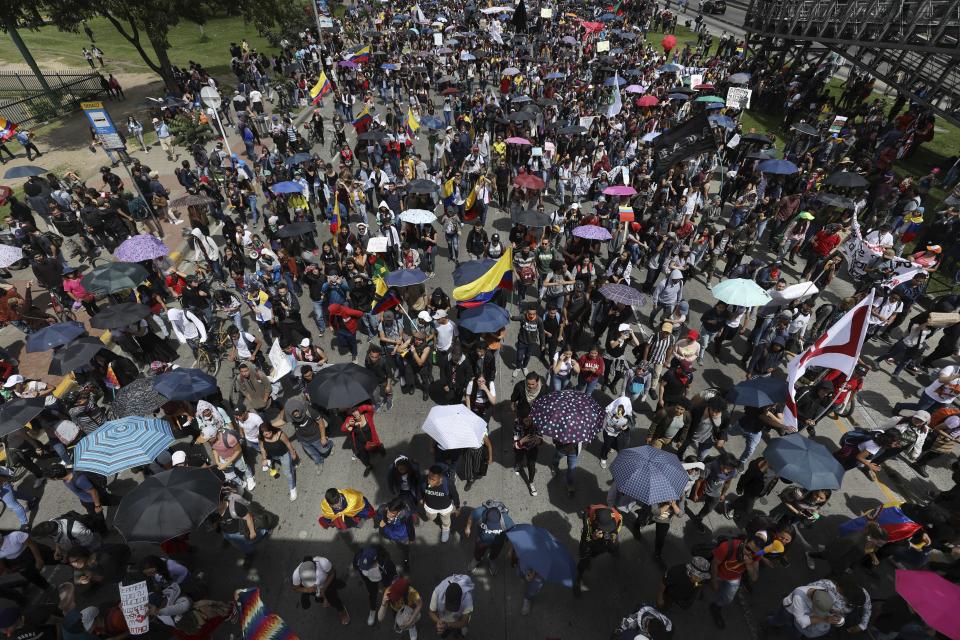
{"x":529,"y":181}
{"x":634,"y":88}
{"x":935,"y":599}
{"x":516,"y":140}
{"x":620,"y":190}
{"x":704,"y":86}
{"x":647,"y":101}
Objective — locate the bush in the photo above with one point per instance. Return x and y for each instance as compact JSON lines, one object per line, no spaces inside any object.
{"x":187,"y":128}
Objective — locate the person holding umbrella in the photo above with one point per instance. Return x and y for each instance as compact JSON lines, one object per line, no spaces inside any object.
{"x":599,"y":534}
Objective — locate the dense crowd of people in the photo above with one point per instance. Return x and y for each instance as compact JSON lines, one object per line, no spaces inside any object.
{"x":626,"y":177}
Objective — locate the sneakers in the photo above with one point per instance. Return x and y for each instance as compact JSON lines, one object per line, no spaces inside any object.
{"x":525,"y":607}
{"x":810,"y":562}
{"x":371,"y":618}
{"x":472,"y":567}
{"x":515,"y":374}
{"x":293,"y":494}
{"x":603,"y":463}
{"x":444,"y":535}
{"x":533,"y":490}
{"x":516,"y":470}
{"x":251,"y":484}
{"x":524,"y":371}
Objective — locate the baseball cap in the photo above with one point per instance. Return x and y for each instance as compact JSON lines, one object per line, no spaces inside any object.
{"x":425,"y":316}
{"x":623,"y":327}
{"x":305,"y":343}
{"x":367,"y":558}
{"x":453,"y":597}
{"x":439,"y":314}
{"x":13,"y":380}
{"x":178,"y":457}
{"x":666,"y":326}
{"x":921,"y":415}
{"x":822,"y":603}
{"x":209,"y":432}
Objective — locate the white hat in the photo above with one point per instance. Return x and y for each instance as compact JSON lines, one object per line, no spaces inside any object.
{"x":424,"y":315}
{"x":623,"y":327}
{"x":13,"y":380}
{"x":305,"y":343}
{"x":209,"y":432}
{"x":88,"y":616}
{"x":439,"y":314}
{"x":178,"y":457}
{"x":575,"y":205}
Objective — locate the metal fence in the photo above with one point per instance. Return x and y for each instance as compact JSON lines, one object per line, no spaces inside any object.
{"x":23,"y":99}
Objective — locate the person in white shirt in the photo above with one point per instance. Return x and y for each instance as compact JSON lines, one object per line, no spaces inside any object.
{"x":188,"y":328}
{"x":317,"y":577}
{"x":880,"y":236}
{"x":942,"y":392}
{"x":883,"y":312}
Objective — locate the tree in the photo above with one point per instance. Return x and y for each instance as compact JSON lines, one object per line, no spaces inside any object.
{"x":189,"y":127}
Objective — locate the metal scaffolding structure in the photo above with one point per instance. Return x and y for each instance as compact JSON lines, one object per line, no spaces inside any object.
{"x":911,"y":45}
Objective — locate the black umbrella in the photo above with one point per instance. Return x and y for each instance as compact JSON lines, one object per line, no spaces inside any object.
{"x":521,"y":116}
{"x":168,"y":505}
{"x":296,"y":229}
{"x":686,"y":90}
{"x":113,"y":277}
{"x":572,"y":130}
{"x":342,"y":385}
{"x":120,"y":315}
{"x":548,"y":102}
{"x":138,"y":398}
{"x":297,"y":158}
{"x":847,"y":179}
{"x":422,"y":187}
{"x":16,"y":413}
{"x":192,"y":200}
{"x":75,"y":355}
{"x":833,"y":200}
{"x":373,"y":136}
{"x":54,"y":335}
{"x":530,"y":218}
{"x":803,"y":127}
{"x":756,"y":137}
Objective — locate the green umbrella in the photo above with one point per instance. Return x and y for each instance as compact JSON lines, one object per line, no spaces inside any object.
{"x":114,"y":277}
{"x":716,"y":99}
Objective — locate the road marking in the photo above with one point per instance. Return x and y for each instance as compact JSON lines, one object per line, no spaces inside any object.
{"x":892,"y":498}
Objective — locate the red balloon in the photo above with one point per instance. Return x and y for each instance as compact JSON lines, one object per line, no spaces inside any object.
{"x":668,"y":43}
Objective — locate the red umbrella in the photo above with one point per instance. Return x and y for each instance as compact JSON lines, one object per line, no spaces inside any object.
{"x":529,"y":181}
{"x":668,"y":43}
{"x":701,"y":87}
{"x":647,"y":101}
{"x":449,"y":91}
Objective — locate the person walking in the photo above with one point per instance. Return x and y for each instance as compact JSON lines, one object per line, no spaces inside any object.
{"x":730,"y":561}
{"x":25,"y":138}
{"x":451,"y":606}
{"x":363,"y":435}
{"x":164,"y":137}
{"x":276,"y":448}
{"x":344,"y":509}
{"x":395,"y":520}
{"x":600,"y":533}
{"x":377,"y":572}
{"x":492,"y":522}
{"x":317,"y":578}
{"x":407,"y":605}
{"x":440,"y":498}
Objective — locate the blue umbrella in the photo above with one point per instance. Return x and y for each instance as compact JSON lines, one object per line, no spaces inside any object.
{"x":487,"y":318}
{"x":185,"y":384}
{"x":54,"y":335}
{"x":122,"y":444}
{"x":805,"y":462}
{"x":389,"y":66}
{"x":24,"y":172}
{"x":778,"y":167}
{"x":670,"y":67}
{"x":433,"y":122}
{"x":405,"y":278}
{"x":607,"y":17}
{"x":537,"y":550}
{"x":609,"y":82}
{"x":623,"y":293}
{"x":759,"y":392}
{"x":556,"y":75}
{"x":649,"y":475}
{"x":677,"y":96}
{"x":286,"y":187}
{"x":296,"y":158}
{"x":722,"y":121}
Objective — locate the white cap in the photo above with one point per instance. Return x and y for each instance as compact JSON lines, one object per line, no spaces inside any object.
{"x":439,"y":314}
{"x":178,"y":457}
{"x":305,"y":343}
{"x":209,"y":432}
{"x":13,"y":380}
{"x":424,"y":315}
{"x":624,"y":327}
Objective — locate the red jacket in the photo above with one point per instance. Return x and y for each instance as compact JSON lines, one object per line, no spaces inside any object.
{"x":823,"y":243}
{"x":346,"y":316}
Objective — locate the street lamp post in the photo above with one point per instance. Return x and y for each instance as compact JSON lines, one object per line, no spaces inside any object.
{"x":211,"y":98}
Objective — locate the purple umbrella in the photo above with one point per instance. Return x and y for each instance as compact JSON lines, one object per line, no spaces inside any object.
{"x":348,"y":63}
{"x":624,"y":294}
{"x":620,"y":190}
{"x":140,"y":248}
{"x":591,"y":232}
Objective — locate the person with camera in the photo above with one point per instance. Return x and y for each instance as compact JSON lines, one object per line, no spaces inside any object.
{"x":599,"y":535}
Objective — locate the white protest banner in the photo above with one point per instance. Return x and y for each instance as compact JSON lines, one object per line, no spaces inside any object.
{"x":437,"y":39}
{"x":586,"y":121}
{"x":603,"y":45}
{"x":691,"y":71}
{"x":278,"y":359}
{"x":734,"y":141}
{"x":133,"y":601}
{"x":377,"y":244}
{"x":326,"y":23}
{"x":696,"y":79}
{"x":739,"y":97}
{"x":546,"y":13}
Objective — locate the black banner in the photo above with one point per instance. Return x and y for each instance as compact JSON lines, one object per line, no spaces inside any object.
{"x":683,"y":141}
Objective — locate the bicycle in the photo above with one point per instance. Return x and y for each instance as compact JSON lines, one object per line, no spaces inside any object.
{"x":212,"y":352}
{"x":63,"y":312}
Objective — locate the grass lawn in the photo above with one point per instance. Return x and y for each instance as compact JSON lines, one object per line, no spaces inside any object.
{"x":55,"y":50}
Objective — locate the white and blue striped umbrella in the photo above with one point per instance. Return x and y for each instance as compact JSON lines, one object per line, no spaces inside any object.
{"x":122,"y":444}
{"x":649,"y":475}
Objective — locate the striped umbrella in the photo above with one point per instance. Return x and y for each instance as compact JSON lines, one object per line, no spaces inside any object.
{"x":122,"y":444}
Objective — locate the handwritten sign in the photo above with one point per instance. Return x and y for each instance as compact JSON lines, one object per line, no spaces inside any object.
{"x":133,"y":601}
{"x":739,"y":97}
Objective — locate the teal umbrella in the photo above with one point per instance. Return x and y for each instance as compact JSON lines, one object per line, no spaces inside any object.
{"x":740,"y":292}
{"x":716,"y":99}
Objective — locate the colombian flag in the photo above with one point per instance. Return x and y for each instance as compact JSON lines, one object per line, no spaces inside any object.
{"x":259,"y":624}
{"x":412,"y":124}
{"x":386,"y":302}
{"x":320,"y":89}
{"x":7,"y":129}
{"x":337,"y":221}
{"x":363,"y":120}
{"x":361,"y":55}
{"x":891,"y":519}
{"x":481,"y":290}
{"x":471,"y":210}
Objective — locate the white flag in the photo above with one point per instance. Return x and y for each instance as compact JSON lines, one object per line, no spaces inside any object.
{"x":421,"y":18}
{"x":617,"y":105}
{"x":838,"y":348}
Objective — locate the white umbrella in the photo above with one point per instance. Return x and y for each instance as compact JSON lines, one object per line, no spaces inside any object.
{"x":454,"y":426}
{"x":9,"y":255}
{"x":792,"y":293}
{"x":418,"y":216}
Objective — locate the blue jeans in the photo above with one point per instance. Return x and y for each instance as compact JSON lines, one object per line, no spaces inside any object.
{"x":571,"y":463}
{"x":752,"y":442}
{"x":62,"y":451}
{"x":316,"y":451}
{"x":592,"y":386}
{"x":349,"y":339}
{"x":11,"y":498}
{"x":560,"y":383}
{"x":318,"y":316}
{"x":288,"y":468}
{"x":453,"y":245}
{"x":523,"y":354}
{"x":726,"y":593}
{"x":242,"y":543}
{"x":925,"y":403}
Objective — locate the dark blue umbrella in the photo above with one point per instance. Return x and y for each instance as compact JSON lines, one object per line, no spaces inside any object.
{"x":487,"y":318}
{"x":470,"y":271}
{"x":24,"y":172}
{"x":556,"y":75}
{"x":607,"y":17}
{"x":649,"y":475}
{"x":677,"y":96}
{"x":567,"y":416}
{"x":713,"y":105}
{"x":405,"y":278}
{"x":185,"y":384}
{"x":296,"y":158}
{"x":54,"y":335}
{"x":778,"y":167}
{"x":122,"y":444}
{"x":722,"y":121}
{"x":805,"y":462}
{"x":286,"y":187}
{"x":433,"y":122}
{"x":609,"y":82}
{"x":537,"y":550}
{"x":759,"y":392}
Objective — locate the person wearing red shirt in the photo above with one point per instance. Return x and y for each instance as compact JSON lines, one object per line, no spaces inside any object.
{"x":363,"y":435}
{"x":591,"y":370}
{"x":344,"y":321}
{"x":822,"y":246}
{"x":730,"y":560}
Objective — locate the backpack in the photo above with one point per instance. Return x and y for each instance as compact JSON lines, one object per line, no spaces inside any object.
{"x":501,"y":510}
{"x":706,"y":549}
{"x":55,"y":238}
{"x":72,"y":516}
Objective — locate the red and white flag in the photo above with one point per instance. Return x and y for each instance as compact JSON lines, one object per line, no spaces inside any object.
{"x":838,"y":348}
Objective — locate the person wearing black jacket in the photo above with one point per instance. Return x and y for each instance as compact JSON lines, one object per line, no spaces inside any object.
{"x":378,"y":572}
{"x":708,"y":427}
{"x":440,"y":497}
{"x":477,"y":241}
{"x":756,"y":482}
{"x":314,"y":279}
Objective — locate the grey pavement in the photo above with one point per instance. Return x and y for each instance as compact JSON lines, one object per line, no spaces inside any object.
{"x":614,"y":585}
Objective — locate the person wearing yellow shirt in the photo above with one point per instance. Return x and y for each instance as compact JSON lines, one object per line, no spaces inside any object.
{"x":500,"y":149}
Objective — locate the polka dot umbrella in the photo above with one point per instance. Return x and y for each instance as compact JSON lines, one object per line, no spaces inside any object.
{"x":567,"y":416}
